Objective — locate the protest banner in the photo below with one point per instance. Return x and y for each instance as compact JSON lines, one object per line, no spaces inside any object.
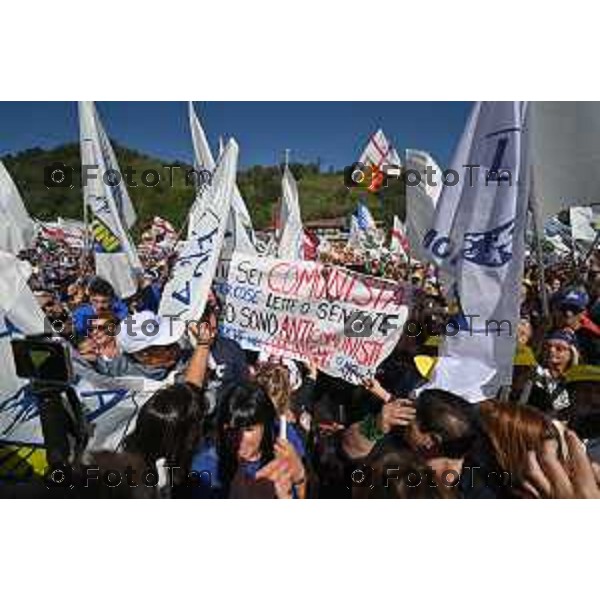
{"x":306,"y":310}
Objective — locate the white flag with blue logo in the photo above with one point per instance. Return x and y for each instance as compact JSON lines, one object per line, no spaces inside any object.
{"x":111,"y":405}
{"x":186,"y":292}
{"x":478,"y":237}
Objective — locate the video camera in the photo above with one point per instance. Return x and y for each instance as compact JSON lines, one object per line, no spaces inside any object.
{"x":46,"y":362}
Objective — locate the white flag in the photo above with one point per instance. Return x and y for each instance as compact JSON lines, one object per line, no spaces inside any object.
{"x":585,"y":223}
{"x":121,"y":195}
{"x":421,"y":199}
{"x":292,"y":235}
{"x":116,"y":257}
{"x":17,"y":229}
{"x":479,"y":237}
{"x":565,"y":154}
{"x":19,"y":311}
{"x":355,"y":237}
{"x":380,"y":158}
{"x":557,"y":238}
{"x":185,"y":294}
{"x":203,"y":157}
{"x":16,"y":299}
{"x":364,"y":218}
{"x":203,"y":163}
{"x":398,"y":241}
{"x":379,"y":153}
{"x":240,"y":232}
{"x":110,"y":404}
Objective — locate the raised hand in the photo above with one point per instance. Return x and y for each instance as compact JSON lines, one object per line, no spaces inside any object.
{"x":285,"y":451}
{"x":313,"y":369}
{"x":397,"y":413}
{"x":202,"y":332}
{"x":574,"y":477}
{"x":278,"y":472}
{"x":372,"y":385}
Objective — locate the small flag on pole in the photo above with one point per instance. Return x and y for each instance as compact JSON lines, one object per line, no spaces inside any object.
{"x":382,"y":158}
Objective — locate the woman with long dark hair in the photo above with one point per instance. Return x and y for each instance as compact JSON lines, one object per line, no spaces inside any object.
{"x":167,"y":433}
{"x":243,"y":457}
{"x":170,"y":424}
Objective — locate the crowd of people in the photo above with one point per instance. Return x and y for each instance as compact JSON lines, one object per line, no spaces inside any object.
{"x":228,"y":423}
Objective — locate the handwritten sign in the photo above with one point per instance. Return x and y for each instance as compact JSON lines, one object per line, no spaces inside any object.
{"x":306,"y":310}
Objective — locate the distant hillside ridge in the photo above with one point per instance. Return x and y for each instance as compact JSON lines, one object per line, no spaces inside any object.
{"x":322,"y":195}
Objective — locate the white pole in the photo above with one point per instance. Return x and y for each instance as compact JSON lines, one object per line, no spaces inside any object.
{"x":539,"y":254}
{"x":85,"y":232}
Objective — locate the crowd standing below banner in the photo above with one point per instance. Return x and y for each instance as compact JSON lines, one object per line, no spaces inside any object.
{"x":214,"y":429}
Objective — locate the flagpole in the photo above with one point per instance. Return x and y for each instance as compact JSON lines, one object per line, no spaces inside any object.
{"x":539,"y":255}
{"x":85,"y":252}
{"x":576,"y":273}
{"x":595,"y":243}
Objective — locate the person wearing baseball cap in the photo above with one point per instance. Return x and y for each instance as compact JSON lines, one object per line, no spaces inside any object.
{"x":148,"y":346}
{"x":569,"y":308}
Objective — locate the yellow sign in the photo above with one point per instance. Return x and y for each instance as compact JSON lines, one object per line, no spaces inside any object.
{"x":105,"y":237}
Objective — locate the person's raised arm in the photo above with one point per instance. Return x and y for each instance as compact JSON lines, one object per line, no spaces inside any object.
{"x":360,"y":438}
{"x":573,"y":476}
{"x":373,"y":386}
{"x":198,"y":365}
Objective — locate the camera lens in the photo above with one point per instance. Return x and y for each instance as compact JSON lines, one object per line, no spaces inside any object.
{"x":57,"y":176}
{"x":358,"y":326}
{"x":358,"y":176}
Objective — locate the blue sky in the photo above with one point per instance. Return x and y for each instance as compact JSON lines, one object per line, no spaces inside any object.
{"x":333,"y":131}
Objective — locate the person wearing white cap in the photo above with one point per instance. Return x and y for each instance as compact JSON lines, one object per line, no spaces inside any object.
{"x":149,"y":346}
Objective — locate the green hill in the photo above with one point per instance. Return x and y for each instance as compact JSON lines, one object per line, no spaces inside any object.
{"x":322,"y":195}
